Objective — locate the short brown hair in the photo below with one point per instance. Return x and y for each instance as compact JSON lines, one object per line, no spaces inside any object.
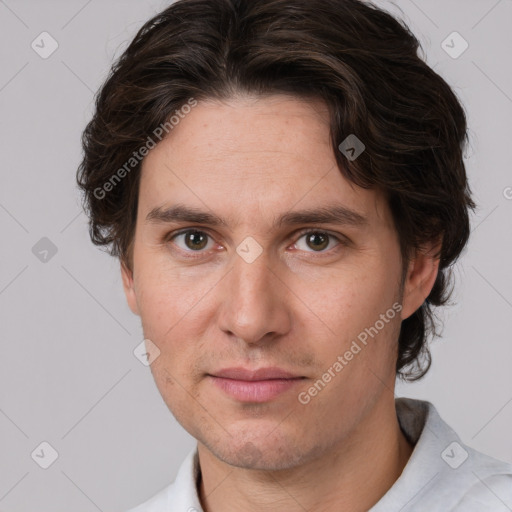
{"x":358,"y":58}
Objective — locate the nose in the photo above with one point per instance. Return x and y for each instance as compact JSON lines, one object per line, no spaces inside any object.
{"x":255,"y":301}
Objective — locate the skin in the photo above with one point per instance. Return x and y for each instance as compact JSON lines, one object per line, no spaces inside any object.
{"x":297,"y":306}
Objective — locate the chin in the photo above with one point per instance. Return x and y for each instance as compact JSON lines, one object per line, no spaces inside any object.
{"x":278,"y":453}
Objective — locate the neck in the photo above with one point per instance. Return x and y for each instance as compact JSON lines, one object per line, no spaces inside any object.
{"x":352,"y":476}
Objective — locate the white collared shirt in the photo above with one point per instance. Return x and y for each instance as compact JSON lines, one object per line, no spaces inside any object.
{"x":442,"y":474}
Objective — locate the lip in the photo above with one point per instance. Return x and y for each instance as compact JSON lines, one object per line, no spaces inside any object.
{"x":258,"y":386}
{"x":240,"y":373}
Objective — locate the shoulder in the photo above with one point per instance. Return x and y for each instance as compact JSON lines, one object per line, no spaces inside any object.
{"x":443,"y":472}
{"x":158,"y":503}
{"x":179,"y":495}
{"x":493,"y":494}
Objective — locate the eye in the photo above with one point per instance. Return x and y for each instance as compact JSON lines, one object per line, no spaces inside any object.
{"x":193,"y":240}
{"x":316,"y":240}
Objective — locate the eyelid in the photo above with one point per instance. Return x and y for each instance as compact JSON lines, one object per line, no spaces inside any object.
{"x":340,"y":239}
{"x":307,"y":231}
{"x":171,"y":236}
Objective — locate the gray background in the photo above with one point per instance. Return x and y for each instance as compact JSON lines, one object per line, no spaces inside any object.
{"x":68,"y":375}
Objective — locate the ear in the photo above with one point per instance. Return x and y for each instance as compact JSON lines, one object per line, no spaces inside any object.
{"x":420,"y":278}
{"x":129,"y":289}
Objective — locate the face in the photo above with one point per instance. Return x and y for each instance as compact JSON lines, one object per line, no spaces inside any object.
{"x":255,"y":285}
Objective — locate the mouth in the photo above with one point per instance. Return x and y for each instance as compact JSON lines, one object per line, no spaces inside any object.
{"x":255,"y":386}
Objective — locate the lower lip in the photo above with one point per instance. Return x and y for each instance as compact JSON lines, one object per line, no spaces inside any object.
{"x":254,"y":391}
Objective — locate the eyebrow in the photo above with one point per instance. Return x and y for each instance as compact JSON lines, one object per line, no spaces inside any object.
{"x":330,"y":214}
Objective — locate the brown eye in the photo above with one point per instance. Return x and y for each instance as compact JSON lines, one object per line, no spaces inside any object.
{"x":317,"y":241}
{"x":192,"y":240}
{"x":196,"y":240}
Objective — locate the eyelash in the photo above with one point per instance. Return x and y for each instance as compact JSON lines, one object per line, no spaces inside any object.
{"x":341,"y":241}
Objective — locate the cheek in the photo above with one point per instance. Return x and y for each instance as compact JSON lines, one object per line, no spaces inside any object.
{"x":175,"y":310}
{"x":356,"y":317}
{"x":346,"y":302}
{"x":167,"y":295}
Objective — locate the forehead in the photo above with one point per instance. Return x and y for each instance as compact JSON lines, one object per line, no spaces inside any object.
{"x":251,"y":157}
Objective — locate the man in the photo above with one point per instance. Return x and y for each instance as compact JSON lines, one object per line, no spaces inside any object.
{"x":284,"y":185}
